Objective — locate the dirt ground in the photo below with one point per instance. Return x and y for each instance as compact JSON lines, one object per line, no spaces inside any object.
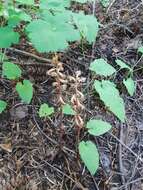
{"x":36,"y":154}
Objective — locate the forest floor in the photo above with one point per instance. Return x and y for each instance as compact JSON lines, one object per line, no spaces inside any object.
{"x":35,"y":154}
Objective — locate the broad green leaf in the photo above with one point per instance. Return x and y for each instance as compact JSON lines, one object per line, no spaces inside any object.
{"x":97,"y":127}
{"x":54,"y":34}
{"x":11,"y":70}
{"x":54,"y":4}
{"x":26,"y":2}
{"x":101,"y":67}
{"x":3,"y":105}
{"x":123,"y":65}
{"x":68,"y":110}
{"x":15,"y":17}
{"x":89,"y":155}
{"x":8,"y":37}
{"x":87,"y":25}
{"x":83,"y":1}
{"x":110,"y":96}
{"x":130,"y":85}
{"x":25,"y":91}
{"x":105,"y":3}
{"x":140,"y":49}
{"x":45,"y":110}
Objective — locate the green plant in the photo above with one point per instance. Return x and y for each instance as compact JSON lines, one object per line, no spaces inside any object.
{"x":45,"y":110}
{"x":12,"y":71}
{"x":88,"y":150}
{"x":3,"y":105}
{"x":105,"y":3}
{"x":58,"y":26}
{"x":68,"y":110}
{"x":25,"y":91}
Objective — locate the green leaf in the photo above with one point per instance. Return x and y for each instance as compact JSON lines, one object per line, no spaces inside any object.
{"x":68,"y":110}
{"x":3,"y":105}
{"x":45,"y":110}
{"x":101,"y":67}
{"x":54,"y":4}
{"x":26,"y":2}
{"x":130,"y":85}
{"x":97,"y":127}
{"x":87,"y":25}
{"x":15,"y":17}
{"x":89,"y":155}
{"x":8,"y":37}
{"x":54,"y":34}
{"x":83,"y":1}
{"x":11,"y":71}
{"x":123,"y":65}
{"x":105,"y":3}
{"x":140,"y":49}
{"x":110,"y":96}
{"x":25,"y":91}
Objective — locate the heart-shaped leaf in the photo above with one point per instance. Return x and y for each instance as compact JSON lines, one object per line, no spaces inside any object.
{"x":87,"y":25}
{"x":25,"y":91}
{"x":89,"y":155}
{"x":97,"y":127}
{"x":109,"y":94}
{"x":68,"y":110}
{"x":130,"y":86}
{"x":123,"y":65}
{"x":11,"y":70}
{"x":45,"y":110}
{"x":101,"y":67}
{"x":3,"y":105}
{"x":8,"y":37}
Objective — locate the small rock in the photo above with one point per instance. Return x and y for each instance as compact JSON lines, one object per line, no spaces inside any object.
{"x":19,"y":112}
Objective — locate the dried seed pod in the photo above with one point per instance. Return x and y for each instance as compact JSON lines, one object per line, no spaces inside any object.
{"x":61,"y":75}
{"x":80,"y":95}
{"x":60,"y":66}
{"x":50,"y":71}
{"x":63,"y":81}
{"x":71,"y":79}
{"x":78,"y":73}
{"x":79,"y":121}
{"x":73,"y":99}
{"x":55,"y":84}
{"x":61,"y":101}
{"x":64,"y":87}
{"x":53,"y":74}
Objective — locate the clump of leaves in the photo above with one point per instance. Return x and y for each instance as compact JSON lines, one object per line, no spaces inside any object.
{"x":13,"y":72}
{"x":87,"y":149}
{"x":54,"y":28}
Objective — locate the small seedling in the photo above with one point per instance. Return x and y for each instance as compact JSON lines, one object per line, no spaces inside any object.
{"x":45,"y":110}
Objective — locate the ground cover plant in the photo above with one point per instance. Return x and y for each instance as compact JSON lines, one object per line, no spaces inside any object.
{"x":53,"y":27}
